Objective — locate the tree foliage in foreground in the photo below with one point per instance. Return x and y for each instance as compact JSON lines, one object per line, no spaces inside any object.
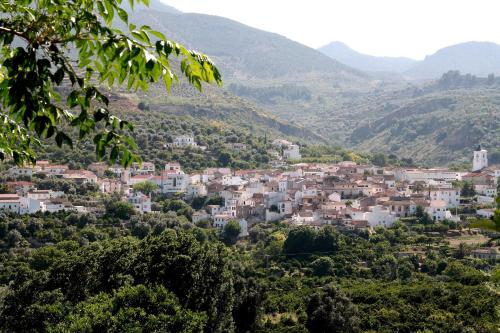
{"x":196,"y":273}
{"x":38,"y":41}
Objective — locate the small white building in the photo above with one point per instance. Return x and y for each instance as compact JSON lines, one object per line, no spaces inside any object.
{"x":486,"y":190}
{"x":450,"y":196}
{"x":196,"y":190}
{"x":439,"y":211}
{"x":184,"y":141}
{"x":141,"y":202}
{"x":200,"y":215}
{"x":173,"y":166}
{"x":55,"y":205}
{"x":378,"y":216}
{"x":44,"y":194}
{"x":10,"y":203}
{"x":292,"y":152}
{"x":145,"y":168}
{"x":17,"y":171}
{"x":173,"y":181}
{"x":485,"y":212}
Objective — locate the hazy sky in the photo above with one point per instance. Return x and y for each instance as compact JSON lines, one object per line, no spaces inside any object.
{"x":380,"y":27}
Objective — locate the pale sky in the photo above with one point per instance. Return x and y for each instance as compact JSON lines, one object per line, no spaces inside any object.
{"x":411,"y":28}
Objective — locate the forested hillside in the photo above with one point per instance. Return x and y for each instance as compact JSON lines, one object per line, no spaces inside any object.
{"x":122,"y":272}
{"x":437,"y":127}
{"x":245,"y":53}
{"x":299,"y":92}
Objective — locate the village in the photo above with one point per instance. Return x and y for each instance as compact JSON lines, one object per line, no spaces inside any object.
{"x":346,"y":195}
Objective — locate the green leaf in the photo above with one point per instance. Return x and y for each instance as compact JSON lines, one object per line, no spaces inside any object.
{"x":123,"y":15}
{"x":59,"y":75}
{"x":62,"y":138}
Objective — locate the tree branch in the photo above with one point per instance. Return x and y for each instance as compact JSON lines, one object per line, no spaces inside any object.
{"x":13,"y":32}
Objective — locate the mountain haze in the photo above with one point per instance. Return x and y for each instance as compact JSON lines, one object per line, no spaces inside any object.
{"x":476,"y":58}
{"x":344,"y":54}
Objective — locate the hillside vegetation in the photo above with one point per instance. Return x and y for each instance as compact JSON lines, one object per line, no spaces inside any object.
{"x":288,"y":89}
{"x":437,"y":128}
{"x":245,"y":53}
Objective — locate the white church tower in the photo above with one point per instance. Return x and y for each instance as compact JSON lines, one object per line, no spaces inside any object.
{"x":480,"y":160}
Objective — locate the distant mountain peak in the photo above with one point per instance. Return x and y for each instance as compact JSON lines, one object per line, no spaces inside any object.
{"x":346,"y":55}
{"x":156,"y":5}
{"x":474,"y":57}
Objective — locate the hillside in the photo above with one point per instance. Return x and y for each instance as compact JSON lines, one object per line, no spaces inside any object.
{"x":215,"y":122}
{"x":245,"y":53}
{"x":322,"y":100}
{"x":344,"y":54}
{"x":439,"y":127}
{"x":476,"y":58}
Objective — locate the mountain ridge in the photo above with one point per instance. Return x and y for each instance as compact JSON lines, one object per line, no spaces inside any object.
{"x":244,"y":52}
{"x":344,"y":54}
{"x":462,"y":57}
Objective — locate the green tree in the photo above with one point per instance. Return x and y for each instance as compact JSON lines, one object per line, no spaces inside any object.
{"x":178,"y":206}
{"x":225,"y":159}
{"x":132,"y":309}
{"x":379,"y":159}
{"x":231,"y":231}
{"x":331,"y":311}
{"x":468,"y":190}
{"x":146,"y":187}
{"x":203,"y":283}
{"x":323,"y":266}
{"x":120,"y":209}
{"x":299,"y":240}
{"x":39,"y":40}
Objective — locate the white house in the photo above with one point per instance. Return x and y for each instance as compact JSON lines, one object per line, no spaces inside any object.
{"x":484,"y":199}
{"x":485,"y":212}
{"x":196,"y":190}
{"x":44,"y":194}
{"x":450,"y":196}
{"x":486,"y":190}
{"x":21,"y":171}
{"x":378,"y":216}
{"x":438,"y":211}
{"x":200,"y":215}
{"x":146,"y":168}
{"x":292,"y":152}
{"x":80,"y":176}
{"x":173,"y":166}
{"x":184,"y":141}
{"x":174,"y":181}
{"x":10,"y":203}
{"x":221,"y":220}
{"x":306,"y":217}
{"x":141,"y":202}
{"x":55,"y":205}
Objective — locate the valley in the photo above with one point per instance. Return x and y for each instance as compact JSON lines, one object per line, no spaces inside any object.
{"x":302,"y":94}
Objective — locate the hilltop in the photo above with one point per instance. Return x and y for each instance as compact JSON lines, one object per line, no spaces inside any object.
{"x":346,"y":55}
{"x":476,"y":58}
